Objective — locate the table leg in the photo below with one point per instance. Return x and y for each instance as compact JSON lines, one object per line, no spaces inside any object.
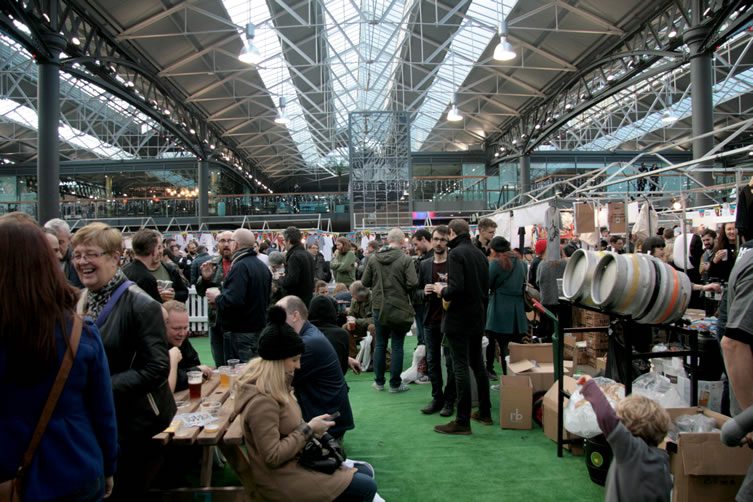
{"x":207,"y":460}
{"x":239,"y":463}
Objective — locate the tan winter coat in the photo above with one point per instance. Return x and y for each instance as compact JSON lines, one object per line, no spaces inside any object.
{"x":274,"y":438}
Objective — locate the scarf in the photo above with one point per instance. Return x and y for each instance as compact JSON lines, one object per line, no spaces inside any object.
{"x":96,"y":300}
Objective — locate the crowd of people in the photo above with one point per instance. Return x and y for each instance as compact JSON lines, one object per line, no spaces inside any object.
{"x":277,"y":311}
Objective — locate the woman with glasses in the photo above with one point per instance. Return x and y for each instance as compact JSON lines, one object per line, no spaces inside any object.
{"x":75,"y":459}
{"x":133,"y":334}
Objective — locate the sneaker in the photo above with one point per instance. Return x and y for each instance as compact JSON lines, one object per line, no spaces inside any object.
{"x":447,"y":411}
{"x":453,"y":428}
{"x":482,"y":420}
{"x":431,"y":408}
{"x":491,"y":374}
{"x":377,"y":386}
{"x":423,"y":379}
{"x":401,"y":388}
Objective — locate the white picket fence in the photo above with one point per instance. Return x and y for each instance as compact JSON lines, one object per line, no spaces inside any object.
{"x":198,"y":313}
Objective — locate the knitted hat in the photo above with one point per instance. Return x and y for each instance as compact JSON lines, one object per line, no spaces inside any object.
{"x":278,"y":340}
{"x":500,"y":244}
{"x":540,"y":246}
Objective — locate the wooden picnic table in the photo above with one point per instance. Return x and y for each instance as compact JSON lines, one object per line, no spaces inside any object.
{"x":228,"y":436}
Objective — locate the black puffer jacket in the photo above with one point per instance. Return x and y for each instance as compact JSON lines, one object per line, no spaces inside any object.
{"x":467,"y":288}
{"x":136,"y":347}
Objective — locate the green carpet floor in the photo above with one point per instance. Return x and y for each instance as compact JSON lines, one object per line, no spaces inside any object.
{"x":414,"y":463}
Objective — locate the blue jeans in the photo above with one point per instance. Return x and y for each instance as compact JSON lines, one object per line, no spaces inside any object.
{"x":362,"y":487}
{"x":383,"y":334}
{"x":433,"y":336}
{"x":243,"y":346}
{"x":217,"y":345}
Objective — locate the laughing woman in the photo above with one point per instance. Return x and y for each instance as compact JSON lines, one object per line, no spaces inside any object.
{"x":133,"y":333}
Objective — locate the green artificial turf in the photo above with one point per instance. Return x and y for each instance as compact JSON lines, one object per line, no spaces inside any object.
{"x":414,"y":463}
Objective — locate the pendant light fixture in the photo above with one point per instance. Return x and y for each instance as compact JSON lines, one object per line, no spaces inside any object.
{"x":453,"y":115}
{"x":250,"y":54}
{"x":668,"y":118}
{"x":282,"y":117}
{"x":504,"y":50}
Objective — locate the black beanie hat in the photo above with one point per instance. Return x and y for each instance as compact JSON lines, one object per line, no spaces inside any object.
{"x":278,"y":340}
{"x":500,"y":244}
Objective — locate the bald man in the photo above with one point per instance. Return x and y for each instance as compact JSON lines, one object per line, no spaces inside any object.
{"x":242,"y":303}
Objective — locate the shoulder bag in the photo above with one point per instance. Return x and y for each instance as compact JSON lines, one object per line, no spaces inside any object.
{"x":10,"y":490}
{"x":322,"y":455}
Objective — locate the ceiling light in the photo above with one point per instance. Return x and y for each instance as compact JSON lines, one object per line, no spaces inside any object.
{"x":75,"y":41}
{"x":667,"y":119}
{"x":250,"y":54}
{"x":281,"y":117}
{"x":677,"y":205}
{"x":504,"y":51}
{"x":672,"y":32}
{"x":454,"y":115}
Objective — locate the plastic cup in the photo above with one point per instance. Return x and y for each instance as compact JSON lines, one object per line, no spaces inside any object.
{"x":233,"y":362}
{"x":195,"y":379}
{"x":351,"y":323}
{"x":225,"y":376}
{"x":211,"y":407}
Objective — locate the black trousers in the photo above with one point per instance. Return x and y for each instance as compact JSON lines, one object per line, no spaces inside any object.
{"x":503,"y":339}
{"x":465,"y":350}
{"x":433,"y":336}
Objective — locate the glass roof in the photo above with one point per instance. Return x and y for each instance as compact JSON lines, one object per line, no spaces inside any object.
{"x":274,"y":73}
{"x":469,"y":42}
{"x":731,"y":88}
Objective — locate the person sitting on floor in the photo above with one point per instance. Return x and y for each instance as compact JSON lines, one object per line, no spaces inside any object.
{"x":275,"y":432}
{"x":183,"y":357}
{"x":321,"y":288}
{"x":639,"y":470}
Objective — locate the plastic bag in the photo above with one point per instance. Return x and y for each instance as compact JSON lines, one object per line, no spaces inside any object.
{"x":695,"y":423}
{"x":411,"y":374}
{"x":660,"y":389}
{"x":579,"y":416}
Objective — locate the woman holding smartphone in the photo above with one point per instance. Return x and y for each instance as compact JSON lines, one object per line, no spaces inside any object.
{"x":275,"y":433}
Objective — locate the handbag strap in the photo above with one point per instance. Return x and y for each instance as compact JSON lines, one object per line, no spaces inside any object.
{"x":52,"y":398}
{"x":102,"y":317}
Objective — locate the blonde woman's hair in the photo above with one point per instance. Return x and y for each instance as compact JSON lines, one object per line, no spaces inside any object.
{"x":99,"y":234}
{"x":270,"y":379}
{"x":644,"y":418}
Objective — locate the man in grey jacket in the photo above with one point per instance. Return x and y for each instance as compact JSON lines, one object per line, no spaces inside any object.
{"x":392,"y":278}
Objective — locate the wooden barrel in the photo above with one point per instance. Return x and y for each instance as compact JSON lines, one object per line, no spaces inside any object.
{"x":576,"y":283}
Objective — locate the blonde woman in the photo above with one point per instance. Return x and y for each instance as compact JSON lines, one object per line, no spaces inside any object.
{"x":275,"y":432}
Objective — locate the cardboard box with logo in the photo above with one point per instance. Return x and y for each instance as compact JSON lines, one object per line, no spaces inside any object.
{"x":515,"y":402}
{"x":550,"y":414}
{"x":536,"y":361}
{"x":703,"y":468}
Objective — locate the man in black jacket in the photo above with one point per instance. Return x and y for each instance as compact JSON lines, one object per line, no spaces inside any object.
{"x":321,"y":266}
{"x":242,"y":304}
{"x":147,"y":268}
{"x":467,"y":291}
{"x":299,"y":267}
{"x":183,"y":357}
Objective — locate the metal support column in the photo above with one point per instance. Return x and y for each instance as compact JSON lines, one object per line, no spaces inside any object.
{"x":524,"y":175}
{"x":701,"y":99}
{"x":203,"y":190}
{"x":48,"y":113}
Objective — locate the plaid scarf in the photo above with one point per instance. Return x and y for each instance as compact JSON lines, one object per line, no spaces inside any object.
{"x":96,"y":300}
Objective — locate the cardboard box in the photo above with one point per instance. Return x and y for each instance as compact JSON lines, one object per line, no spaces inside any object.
{"x":574,"y":349}
{"x":596,"y":340}
{"x":535,"y":360}
{"x":515,"y":402}
{"x":550,"y":414}
{"x":601,"y":363}
{"x":703,"y":468}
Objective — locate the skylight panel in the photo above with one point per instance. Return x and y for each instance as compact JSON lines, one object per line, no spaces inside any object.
{"x":469,"y":42}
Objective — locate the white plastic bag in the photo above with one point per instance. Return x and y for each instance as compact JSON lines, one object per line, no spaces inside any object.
{"x":411,"y":374}
{"x":660,"y":389}
{"x":579,"y":416}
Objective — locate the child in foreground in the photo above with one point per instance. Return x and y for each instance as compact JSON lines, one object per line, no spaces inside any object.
{"x":639,"y":470}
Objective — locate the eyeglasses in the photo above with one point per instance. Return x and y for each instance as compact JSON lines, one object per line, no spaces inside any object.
{"x":90,"y":256}
{"x":439,"y":239}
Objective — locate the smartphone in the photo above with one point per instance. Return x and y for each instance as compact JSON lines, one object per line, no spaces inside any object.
{"x":334,"y":415}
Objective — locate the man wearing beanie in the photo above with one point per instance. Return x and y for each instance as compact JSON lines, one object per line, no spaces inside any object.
{"x":319,"y":383}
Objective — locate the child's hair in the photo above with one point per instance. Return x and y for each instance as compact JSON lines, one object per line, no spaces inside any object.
{"x":644,"y":418}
